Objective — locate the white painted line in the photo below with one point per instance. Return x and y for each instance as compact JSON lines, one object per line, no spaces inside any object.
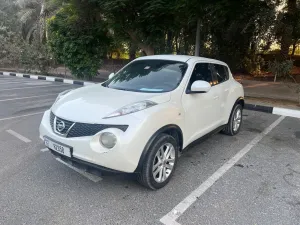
{"x":34,"y":77}
{"x":17,"y":82}
{"x":89,"y":176}
{"x":44,"y":150}
{"x":67,"y":81}
{"x":50,"y":78}
{"x":11,"y":99}
{"x":175,"y":213}
{"x":6,"y":73}
{"x":15,"y":117}
{"x":19,"y":136}
{"x":286,"y":112}
{"x":19,"y":75}
{"x":63,"y":85}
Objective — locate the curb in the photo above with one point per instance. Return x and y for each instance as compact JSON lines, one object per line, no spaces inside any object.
{"x":259,"y":108}
{"x":54,"y":79}
{"x":274,"y":110}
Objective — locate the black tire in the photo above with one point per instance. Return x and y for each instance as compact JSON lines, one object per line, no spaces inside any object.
{"x":229,"y":130}
{"x":146,"y":176}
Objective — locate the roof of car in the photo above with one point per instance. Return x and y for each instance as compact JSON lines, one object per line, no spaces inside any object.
{"x":181,"y":58}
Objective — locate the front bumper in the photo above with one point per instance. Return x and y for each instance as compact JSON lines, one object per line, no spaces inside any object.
{"x":124,"y":157}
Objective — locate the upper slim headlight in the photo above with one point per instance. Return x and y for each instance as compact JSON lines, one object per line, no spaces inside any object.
{"x":135,"y":107}
{"x":62,"y":94}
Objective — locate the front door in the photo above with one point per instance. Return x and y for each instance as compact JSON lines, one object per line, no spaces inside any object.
{"x":202,"y":110}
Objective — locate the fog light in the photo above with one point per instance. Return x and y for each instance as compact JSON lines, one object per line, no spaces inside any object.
{"x":108,"y":140}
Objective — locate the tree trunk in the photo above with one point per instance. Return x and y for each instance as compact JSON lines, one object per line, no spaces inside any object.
{"x":286,"y":39}
{"x":176,"y":45}
{"x":132,"y":51}
{"x":42,"y":24}
{"x":294,"y":47}
{"x":197,"y":45}
{"x":169,"y":45}
{"x":149,"y":50}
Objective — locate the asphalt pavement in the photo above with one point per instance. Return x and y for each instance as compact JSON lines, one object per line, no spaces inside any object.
{"x":252,"y":178}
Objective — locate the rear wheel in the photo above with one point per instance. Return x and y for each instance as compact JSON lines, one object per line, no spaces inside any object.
{"x":160,"y":162}
{"x":235,"y":121}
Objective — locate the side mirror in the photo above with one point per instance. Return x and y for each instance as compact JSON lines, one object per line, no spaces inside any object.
{"x":200,"y":86}
{"x":111,"y":75}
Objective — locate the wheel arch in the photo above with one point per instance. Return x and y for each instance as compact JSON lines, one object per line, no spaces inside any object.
{"x":171,"y":129}
{"x":240,"y":101}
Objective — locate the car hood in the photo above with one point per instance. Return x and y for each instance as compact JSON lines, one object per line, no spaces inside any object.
{"x":90,"y":104}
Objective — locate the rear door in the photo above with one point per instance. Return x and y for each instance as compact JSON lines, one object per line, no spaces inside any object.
{"x":221,"y":80}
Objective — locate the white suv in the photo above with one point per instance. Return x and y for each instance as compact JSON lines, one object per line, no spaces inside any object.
{"x":141,"y":119}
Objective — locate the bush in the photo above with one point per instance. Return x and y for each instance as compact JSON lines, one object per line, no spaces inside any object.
{"x":254,"y":64}
{"x":11,"y":46}
{"x":36,"y":57}
{"x":78,"y":41}
{"x":281,"y":69}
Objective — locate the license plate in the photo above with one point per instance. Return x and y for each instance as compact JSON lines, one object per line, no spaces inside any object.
{"x":61,"y":149}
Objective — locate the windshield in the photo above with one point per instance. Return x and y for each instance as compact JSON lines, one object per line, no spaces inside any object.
{"x":149,"y":76}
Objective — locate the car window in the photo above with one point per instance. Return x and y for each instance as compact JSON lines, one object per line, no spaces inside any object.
{"x":202,"y":71}
{"x":149,"y":76}
{"x":221,"y":73}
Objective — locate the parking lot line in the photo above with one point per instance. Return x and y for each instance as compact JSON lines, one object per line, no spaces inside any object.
{"x":44,"y":150}
{"x":89,"y":176}
{"x":11,"y":99}
{"x":19,"y":136}
{"x":25,"y":81}
{"x":171,"y":217}
{"x":63,"y":85}
{"x":15,"y":117}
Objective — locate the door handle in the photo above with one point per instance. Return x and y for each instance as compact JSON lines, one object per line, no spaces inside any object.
{"x":216,"y":97}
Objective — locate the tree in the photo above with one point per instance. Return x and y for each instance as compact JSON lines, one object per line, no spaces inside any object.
{"x":296,"y":31}
{"x":33,"y":15}
{"x":79,"y":37}
{"x":289,"y":17}
{"x":147,"y":23}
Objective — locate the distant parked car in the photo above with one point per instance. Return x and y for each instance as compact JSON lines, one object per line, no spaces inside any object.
{"x":141,"y":118}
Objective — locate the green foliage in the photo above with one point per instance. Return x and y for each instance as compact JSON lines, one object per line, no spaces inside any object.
{"x":78,"y":39}
{"x":253,"y":64}
{"x":280,"y":68}
{"x":36,"y":57}
{"x":81,"y":33}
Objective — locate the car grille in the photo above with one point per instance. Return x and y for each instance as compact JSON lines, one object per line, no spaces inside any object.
{"x":52,"y":116}
{"x":80,"y":129}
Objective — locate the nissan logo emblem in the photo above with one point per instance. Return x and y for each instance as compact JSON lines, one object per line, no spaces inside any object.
{"x":60,"y":126}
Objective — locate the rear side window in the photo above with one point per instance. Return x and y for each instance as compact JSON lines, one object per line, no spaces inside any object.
{"x":221,"y":73}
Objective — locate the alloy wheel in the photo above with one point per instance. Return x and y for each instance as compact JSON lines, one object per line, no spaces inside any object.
{"x":163,"y":162}
{"x":237,"y":120}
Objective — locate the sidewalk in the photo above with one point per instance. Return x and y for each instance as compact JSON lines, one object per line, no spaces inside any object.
{"x":271,"y":94}
{"x":271,"y":90}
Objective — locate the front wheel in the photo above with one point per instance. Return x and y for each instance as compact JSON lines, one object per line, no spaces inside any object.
{"x":160,"y":162}
{"x":235,"y":121}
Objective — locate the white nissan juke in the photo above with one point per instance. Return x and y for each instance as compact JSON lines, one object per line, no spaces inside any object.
{"x":142,"y":117}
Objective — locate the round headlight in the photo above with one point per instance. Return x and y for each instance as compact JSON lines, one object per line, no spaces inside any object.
{"x":108,"y":140}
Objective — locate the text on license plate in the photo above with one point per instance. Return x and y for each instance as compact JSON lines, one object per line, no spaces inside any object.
{"x":64,"y":150}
